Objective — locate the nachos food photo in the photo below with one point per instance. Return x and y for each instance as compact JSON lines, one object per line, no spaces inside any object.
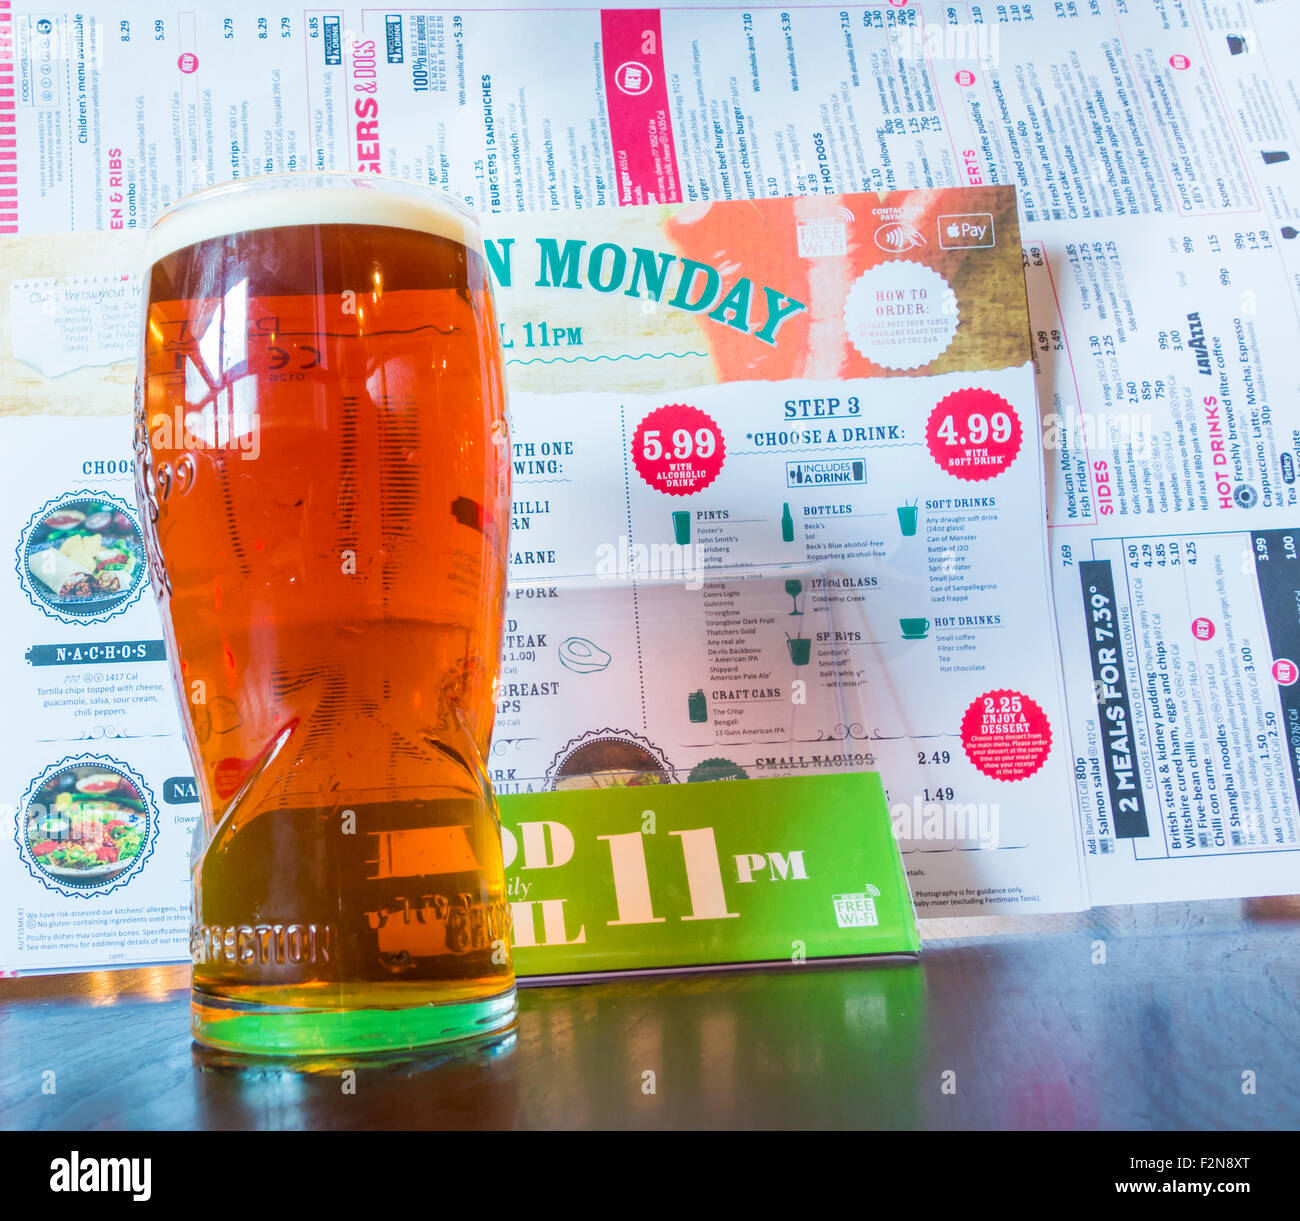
{"x":84,"y":556}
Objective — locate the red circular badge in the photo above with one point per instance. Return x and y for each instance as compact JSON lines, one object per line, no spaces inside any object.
{"x":678,"y":449}
{"x":1006,"y":735}
{"x":974,"y":434}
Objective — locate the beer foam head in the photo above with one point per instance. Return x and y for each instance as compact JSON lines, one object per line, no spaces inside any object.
{"x":280,"y":200}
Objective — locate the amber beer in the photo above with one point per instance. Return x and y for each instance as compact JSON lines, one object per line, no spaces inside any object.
{"x":323,"y":468}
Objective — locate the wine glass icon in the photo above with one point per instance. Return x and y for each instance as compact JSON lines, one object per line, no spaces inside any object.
{"x":794,"y":588}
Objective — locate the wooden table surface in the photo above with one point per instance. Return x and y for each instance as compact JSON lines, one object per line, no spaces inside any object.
{"x":1015,"y":1015}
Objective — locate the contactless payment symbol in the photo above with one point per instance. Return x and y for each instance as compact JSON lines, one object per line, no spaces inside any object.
{"x":633,"y":78}
{"x":896,"y":236}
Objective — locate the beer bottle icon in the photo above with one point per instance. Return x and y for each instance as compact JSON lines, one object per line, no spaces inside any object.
{"x":787,"y":524}
{"x":697,"y":707}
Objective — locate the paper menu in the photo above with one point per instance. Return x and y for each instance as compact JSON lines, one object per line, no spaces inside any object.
{"x":1171,"y":476}
{"x":1092,"y":108}
{"x":793,"y":522}
{"x":1152,"y":146}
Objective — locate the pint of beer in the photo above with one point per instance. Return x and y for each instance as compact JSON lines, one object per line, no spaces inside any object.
{"x":323,"y":470}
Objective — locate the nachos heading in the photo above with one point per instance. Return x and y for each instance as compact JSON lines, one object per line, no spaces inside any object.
{"x":679,"y":283}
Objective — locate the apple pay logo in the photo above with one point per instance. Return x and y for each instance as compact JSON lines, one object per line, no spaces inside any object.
{"x":966,"y":231}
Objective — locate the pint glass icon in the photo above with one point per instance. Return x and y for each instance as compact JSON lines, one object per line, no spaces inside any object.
{"x":323,"y":472}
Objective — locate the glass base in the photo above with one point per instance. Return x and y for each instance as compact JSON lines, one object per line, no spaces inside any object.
{"x":278,"y":1030}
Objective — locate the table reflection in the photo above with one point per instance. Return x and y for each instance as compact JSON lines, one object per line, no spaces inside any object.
{"x":836,"y":1045}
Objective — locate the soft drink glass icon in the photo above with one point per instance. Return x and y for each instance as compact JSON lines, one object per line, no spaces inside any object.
{"x":907,"y":515}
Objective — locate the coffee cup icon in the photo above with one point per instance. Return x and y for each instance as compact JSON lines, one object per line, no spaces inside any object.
{"x":914,"y":628}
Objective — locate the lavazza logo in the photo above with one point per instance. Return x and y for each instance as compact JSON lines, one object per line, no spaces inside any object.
{"x":120,"y":1174}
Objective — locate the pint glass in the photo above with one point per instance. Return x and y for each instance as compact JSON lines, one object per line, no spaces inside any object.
{"x":322,"y":464}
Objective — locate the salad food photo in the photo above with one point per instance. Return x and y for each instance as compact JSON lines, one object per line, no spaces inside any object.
{"x":86,"y":825}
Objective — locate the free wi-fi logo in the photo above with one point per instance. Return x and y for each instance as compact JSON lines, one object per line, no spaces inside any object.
{"x":897,"y":236}
{"x":858,"y":910}
{"x":819,"y":239}
{"x":825,"y":238}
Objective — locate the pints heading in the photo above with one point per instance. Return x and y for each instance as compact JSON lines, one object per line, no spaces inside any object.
{"x":677,"y":282}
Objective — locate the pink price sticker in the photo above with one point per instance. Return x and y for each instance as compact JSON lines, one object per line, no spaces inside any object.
{"x":974,"y":434}
{"x":1006,"y":735}
{"x":678,"y":449}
